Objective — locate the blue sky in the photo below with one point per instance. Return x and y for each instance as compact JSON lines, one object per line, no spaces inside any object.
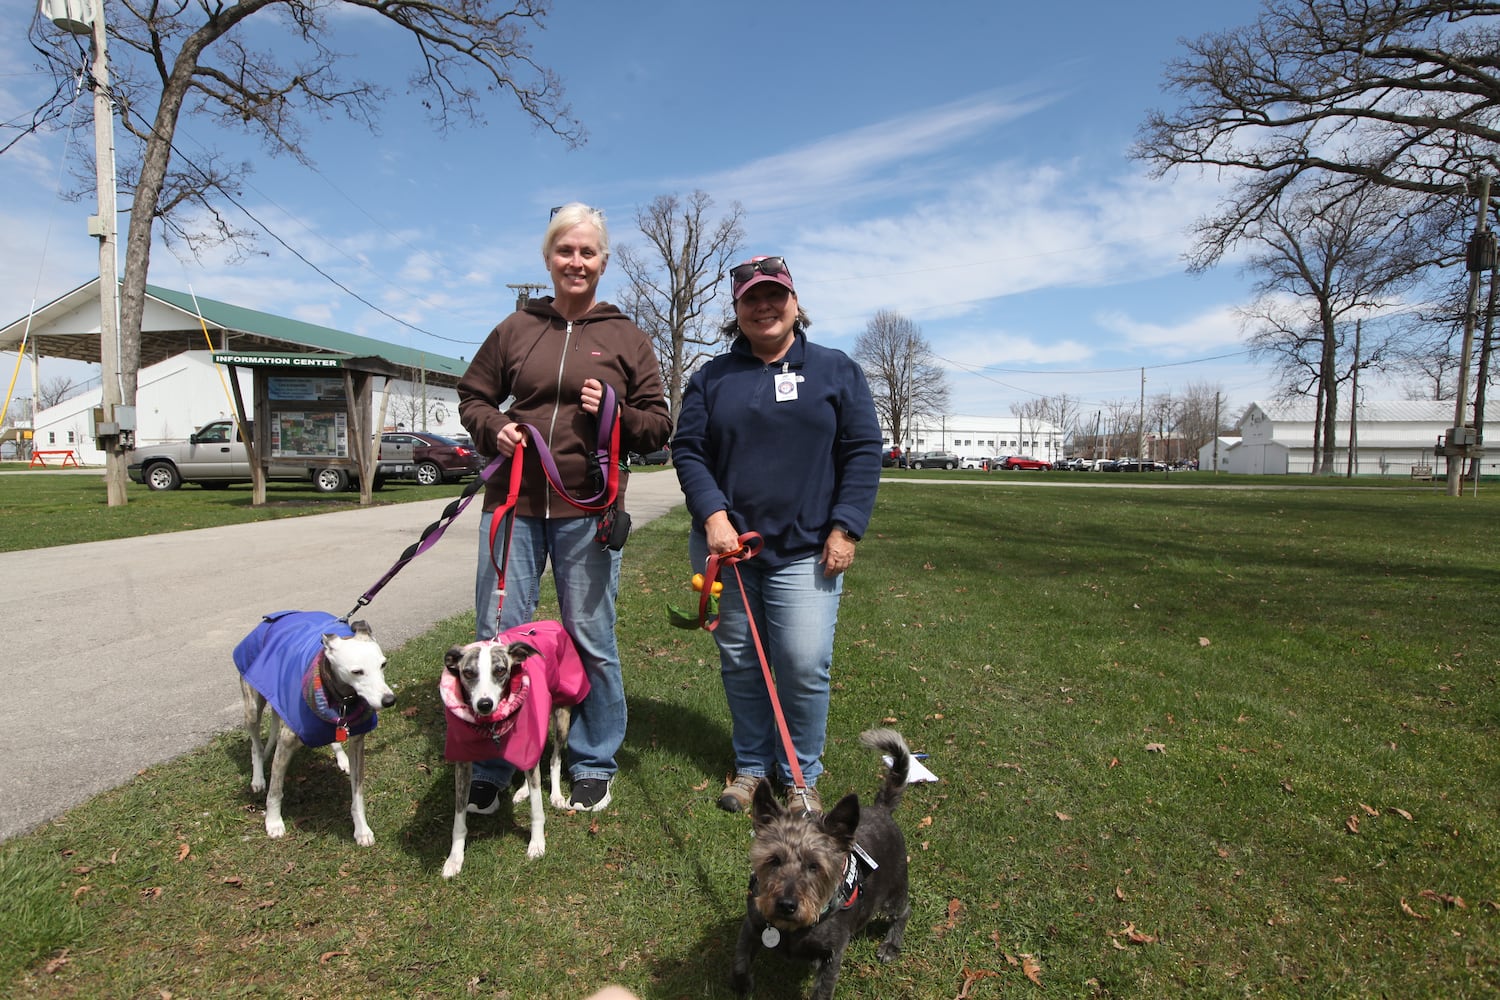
{"x":961,"y":163}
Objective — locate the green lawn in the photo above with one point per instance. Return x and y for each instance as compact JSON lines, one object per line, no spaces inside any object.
{"x":1192,"y":743}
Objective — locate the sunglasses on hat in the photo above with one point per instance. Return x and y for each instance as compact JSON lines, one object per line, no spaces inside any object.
{"x":769,"y":266}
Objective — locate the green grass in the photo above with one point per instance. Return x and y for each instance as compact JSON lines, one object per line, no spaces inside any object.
{"x":1192,"y":743}
{"x":43,"y":509}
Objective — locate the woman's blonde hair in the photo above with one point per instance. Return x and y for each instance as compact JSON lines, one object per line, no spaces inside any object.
{"x":572,"y":214}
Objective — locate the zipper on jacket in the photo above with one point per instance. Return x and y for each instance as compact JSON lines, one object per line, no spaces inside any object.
{"x":562,"y":363}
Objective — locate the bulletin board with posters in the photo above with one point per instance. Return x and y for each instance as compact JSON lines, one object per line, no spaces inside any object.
{"x":311,"y":410}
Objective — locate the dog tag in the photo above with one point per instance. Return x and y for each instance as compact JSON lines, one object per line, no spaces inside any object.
{"x":340,"y":735}
{"x":770,"y":937}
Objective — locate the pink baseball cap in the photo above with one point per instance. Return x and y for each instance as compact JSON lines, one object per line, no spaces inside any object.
{"x":757,"y":270}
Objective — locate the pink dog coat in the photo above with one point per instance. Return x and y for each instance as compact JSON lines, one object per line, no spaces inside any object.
{"x":517,"y":729}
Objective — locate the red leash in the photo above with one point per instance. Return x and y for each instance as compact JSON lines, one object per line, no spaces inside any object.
{"x":607,"y":455}
{"x":750,"y":544}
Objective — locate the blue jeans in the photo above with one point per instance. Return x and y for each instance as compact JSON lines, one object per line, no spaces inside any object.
{"x":796,"y":609}
{"x":587,"y":576}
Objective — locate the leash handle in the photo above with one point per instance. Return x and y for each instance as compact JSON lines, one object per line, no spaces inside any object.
{"x":750,"y":545}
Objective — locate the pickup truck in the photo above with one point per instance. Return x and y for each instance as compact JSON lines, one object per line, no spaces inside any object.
{"x":215,"y":456}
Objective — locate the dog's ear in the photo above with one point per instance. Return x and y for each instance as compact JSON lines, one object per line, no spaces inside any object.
{"x":362,"y":629}
{"x":764,"y":806}
{"x":453,"y":658}
{"x":518,"y":651}
{"x":840,"y":821}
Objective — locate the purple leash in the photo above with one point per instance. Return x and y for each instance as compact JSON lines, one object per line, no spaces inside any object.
{"x":608,"y":443}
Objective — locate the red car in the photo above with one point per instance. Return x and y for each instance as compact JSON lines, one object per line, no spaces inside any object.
{"x":1025,"y":462}
{"x":430,"y":458}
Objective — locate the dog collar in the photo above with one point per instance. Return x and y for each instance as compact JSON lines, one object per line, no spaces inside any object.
{"x":499,"y":722}
{"x":856,"y":867}
{"x":351,"y":711}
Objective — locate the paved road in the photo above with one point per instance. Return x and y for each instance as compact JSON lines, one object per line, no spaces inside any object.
{"x":117,"y":654}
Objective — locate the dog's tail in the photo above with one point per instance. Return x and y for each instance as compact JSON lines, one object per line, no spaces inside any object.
{"x":890,"y":743}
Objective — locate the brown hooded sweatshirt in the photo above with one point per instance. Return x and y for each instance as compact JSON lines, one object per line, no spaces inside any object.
{"x":542,"y":360}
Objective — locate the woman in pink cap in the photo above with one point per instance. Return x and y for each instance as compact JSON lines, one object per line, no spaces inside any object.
{"x":778,"y":436}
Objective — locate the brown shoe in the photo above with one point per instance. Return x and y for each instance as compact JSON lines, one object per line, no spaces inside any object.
{"x":807,"y":801}
{"x":739,"y":792}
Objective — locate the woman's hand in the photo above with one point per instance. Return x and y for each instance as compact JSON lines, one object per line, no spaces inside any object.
{"x":838,"y":553}
{"x":592,"y":395}
{"x":722,"y":538}
{"x":509,"y":439}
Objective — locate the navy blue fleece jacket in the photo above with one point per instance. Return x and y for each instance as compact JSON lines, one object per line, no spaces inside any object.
{"x":787,"y":468}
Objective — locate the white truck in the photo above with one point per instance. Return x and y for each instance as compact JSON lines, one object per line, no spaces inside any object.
{"x":215,"y":456}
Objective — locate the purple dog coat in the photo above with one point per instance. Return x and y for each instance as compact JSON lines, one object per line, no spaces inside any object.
{"x":517,"y":729}
{"x":280,"y":660}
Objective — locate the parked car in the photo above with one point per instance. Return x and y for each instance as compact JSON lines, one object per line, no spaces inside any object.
{"x":935,"y":460}
{"x":661,"y":456}
{"x":215,"y":456}
{"x":893,"y":458}
{"x":430,"y":459}
{"x":1013,"y":462}
{"x":1070,"y":465}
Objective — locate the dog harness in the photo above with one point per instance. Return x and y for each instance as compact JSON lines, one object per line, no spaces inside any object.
{"x":281,"y":659}
{"x":517,"y":728}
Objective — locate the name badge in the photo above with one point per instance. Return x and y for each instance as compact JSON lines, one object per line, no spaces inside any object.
{"x":786,"y":385}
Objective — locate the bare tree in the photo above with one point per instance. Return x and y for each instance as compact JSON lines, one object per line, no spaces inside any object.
{"x":1199,"y":415}
{"x":674,"y":285}
{"x":1337,"y":259}
{"x":56,"y":389}
{"x":1062,"y":411}
{"x":898,"y":363}
{"x":187,"y":55}
{"x":1390,"y":93}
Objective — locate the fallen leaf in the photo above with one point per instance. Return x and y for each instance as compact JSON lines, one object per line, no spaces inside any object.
{"x":1063,"y":816}
{"x":699,"y":788}
{"x":1444,"y":898}
{"x":1203,"y":640}
{"x":410,"y":712}
{"x":1340,"y":880}
{"x":233,"y":880}
{"x":1156,"y":748}
{"x":1352,"y":824}
{"x":152,"y":893}
{"x":1032,"y":968}
{"x":1137,"y":937}
{"x":183,"y":850}
{"x":1406,"y":909}
{"x":114,"y":855}
{"x":81,"y":890}
{"x":1286,"y":786}
{"x":1401,"y":812}
{"x":328,"y":956}
{"x":1114,"y":762}
{"x":1369,"y":810}
{"x":54,"y":965}
{"x":1120,"y":894}
{"x":925,"y":822}
{"x":972,"y":976}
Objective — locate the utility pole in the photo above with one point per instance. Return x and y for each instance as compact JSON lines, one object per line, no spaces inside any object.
{"x":1140,"y":431}
{"x":1460,"y":443}
{"x":523,"y":292}
{"x":1353,"y":463}
{"x":117,"y":425}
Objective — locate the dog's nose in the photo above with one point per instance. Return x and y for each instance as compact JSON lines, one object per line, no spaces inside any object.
{"x":787,"y":906}
{"x":485,"y":706}
{"x":387,"y":700}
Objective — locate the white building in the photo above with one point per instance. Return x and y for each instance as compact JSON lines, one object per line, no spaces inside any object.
{"x":1390,"y":438}
{"x":975,"y":437}
{"x":1214,"y":456}
{"x":179,"y":388}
